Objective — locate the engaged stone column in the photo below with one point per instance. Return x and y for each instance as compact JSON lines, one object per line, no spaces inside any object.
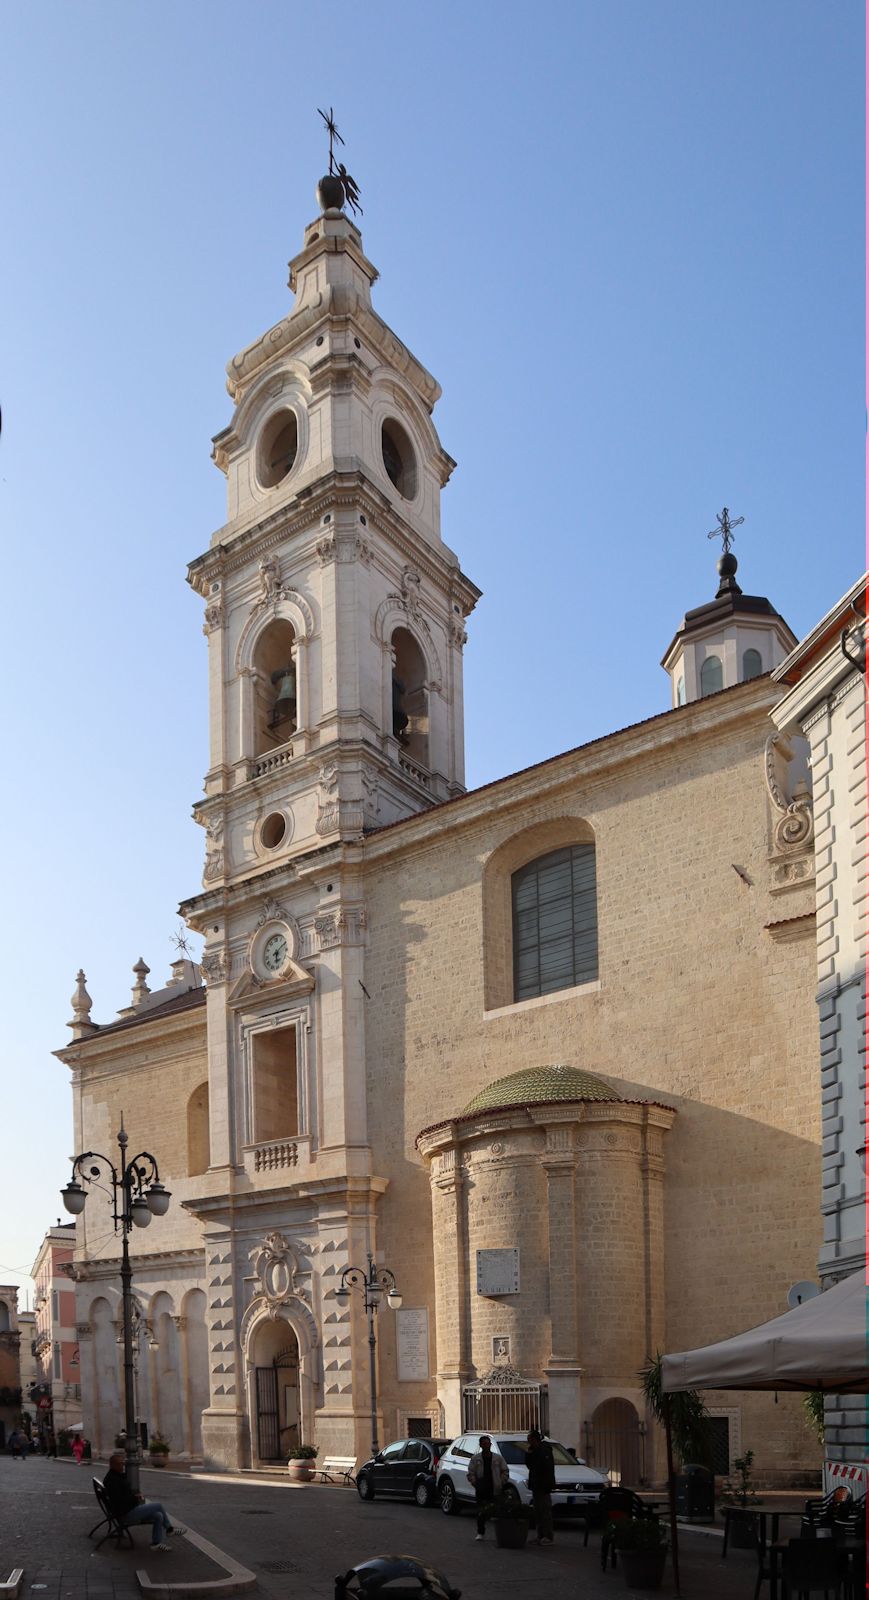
{"x":451,"y":1276}
{"x":563,"y":1370}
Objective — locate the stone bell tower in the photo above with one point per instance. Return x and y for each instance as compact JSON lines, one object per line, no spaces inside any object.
{"x":334,"y":611}
{"x":335,"y":618}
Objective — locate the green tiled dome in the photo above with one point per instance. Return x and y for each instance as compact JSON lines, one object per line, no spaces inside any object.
{"x":539,"y":1085}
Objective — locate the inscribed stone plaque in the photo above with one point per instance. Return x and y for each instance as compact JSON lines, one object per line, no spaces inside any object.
{"x":412,"y":1343}
{"x":497,"y":1272}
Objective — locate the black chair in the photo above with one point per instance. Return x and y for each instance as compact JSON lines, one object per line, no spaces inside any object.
{"x":116,"y":1529}
{"x":823,"y":1510}
{"x":617,"y":1505}
{"x":813,"y":1566}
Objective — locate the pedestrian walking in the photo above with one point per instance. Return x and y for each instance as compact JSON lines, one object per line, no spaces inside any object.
{"x":488,"y":1475}
{"x":79,"y":1444}
{"x":18,"y":1445}
{"x":541,"y":1482}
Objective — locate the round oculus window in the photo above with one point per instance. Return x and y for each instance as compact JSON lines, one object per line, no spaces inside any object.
{"x":399,"y":460}
{"x":273,"y":830}
{"x":278,"y":449}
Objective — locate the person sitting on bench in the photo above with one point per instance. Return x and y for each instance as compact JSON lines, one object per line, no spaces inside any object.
{"x":132,"y":1509}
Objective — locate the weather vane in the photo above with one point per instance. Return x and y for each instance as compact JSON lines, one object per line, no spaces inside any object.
{"x":337,"y":169}
{"x":724,"y":531}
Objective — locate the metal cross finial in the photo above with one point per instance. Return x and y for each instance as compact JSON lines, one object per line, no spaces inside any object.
{"x":724,"y":531}
{"x":337,"y":169}
{"x":333,"y":133}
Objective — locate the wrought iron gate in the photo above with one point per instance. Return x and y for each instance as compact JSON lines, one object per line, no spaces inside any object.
{"x":505,"y":1402}
{"x":268,"y":1431}
{"x":616,"y":1447}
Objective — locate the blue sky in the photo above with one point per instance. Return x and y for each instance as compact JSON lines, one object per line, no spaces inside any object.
{"x":626,"y":236}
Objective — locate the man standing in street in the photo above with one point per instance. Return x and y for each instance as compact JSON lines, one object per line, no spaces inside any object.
{"x":541,"y":1482}
{"x":488,"y":1474}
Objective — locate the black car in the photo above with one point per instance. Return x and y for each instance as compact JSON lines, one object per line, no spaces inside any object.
{"x":406,"y":1467}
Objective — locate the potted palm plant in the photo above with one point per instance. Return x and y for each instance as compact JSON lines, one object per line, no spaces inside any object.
{"x":158,"y":1450}
{"x":642,"y":1546}
{"x":299,"y":1463}
{"x":511,"y":1521}
{"x":743,"y":1528}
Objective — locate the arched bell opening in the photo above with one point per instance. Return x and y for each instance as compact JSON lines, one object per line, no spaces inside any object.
{"x":410,"y":712}
{"x":276,"y":1391}
{"x":276,"y":687}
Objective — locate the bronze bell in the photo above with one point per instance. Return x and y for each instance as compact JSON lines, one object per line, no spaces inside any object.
{"x":285,"y":700}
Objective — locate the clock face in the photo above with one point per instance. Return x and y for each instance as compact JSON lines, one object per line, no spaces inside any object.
{"x":275,"y":952}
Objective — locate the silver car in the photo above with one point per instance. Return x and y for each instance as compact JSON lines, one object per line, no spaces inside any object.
{"x":577,"y":1486}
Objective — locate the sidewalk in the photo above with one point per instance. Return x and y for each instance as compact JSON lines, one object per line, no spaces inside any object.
{"x":48,"y":1510}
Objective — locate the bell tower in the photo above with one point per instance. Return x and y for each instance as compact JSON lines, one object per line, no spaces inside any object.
{"x":335,"y":620}
{"x":334,"y":611}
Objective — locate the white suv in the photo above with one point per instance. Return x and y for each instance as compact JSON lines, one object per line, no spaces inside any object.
{"x":577,"y":1486}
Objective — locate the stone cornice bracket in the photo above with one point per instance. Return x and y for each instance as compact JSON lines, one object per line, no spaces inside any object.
{"x":81,"y":1024}
{"x":214,"y":610}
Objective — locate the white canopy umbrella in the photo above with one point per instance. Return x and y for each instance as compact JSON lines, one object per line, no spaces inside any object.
{"x":822,"y":1344}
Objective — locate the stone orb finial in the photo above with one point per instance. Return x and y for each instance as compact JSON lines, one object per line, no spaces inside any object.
{"x":330,"y":193}
{"x":727,"y":565}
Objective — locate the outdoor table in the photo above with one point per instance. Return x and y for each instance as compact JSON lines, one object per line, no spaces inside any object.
{"x":762,"y":1513}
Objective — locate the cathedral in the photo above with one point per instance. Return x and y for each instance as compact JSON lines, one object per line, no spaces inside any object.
{"x":538,"y":1058}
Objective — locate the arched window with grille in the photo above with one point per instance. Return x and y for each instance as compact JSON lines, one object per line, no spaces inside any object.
{"x":555,"y":922}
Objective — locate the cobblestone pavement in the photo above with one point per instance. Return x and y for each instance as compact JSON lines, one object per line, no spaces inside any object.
{"x":297,"y":1539}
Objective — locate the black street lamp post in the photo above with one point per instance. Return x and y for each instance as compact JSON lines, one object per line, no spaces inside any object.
{"x":136,"y":1195}
{"x":372,"y":1283}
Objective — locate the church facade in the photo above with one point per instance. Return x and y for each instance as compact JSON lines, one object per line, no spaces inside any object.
{"x":545,"y":1050}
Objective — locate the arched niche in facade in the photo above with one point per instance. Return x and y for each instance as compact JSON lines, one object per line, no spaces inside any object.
{"x":195,"y":1343}
{"x":515,"y":852}
{"x":105,"y":1388}
{"x":167,"y":1407}
{"x":198,"y":1131}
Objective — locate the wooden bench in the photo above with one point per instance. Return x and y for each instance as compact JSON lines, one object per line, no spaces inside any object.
{"x":334,"y":1467}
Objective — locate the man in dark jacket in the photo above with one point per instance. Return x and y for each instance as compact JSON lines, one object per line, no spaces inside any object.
{"x":541,"y":1482}
{"x":132,"y":1509}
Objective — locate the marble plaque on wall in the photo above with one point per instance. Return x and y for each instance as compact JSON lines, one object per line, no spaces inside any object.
{"x":411,"y":1338}
{"x":497,"y":1272}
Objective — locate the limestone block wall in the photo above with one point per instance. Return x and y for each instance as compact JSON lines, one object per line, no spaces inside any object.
{"x":696,"y":1005}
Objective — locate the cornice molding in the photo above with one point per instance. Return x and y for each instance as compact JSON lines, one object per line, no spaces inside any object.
{"x":352,"y":491}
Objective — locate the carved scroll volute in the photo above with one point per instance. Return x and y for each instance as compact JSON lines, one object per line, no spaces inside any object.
{"x":793,"y":827}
